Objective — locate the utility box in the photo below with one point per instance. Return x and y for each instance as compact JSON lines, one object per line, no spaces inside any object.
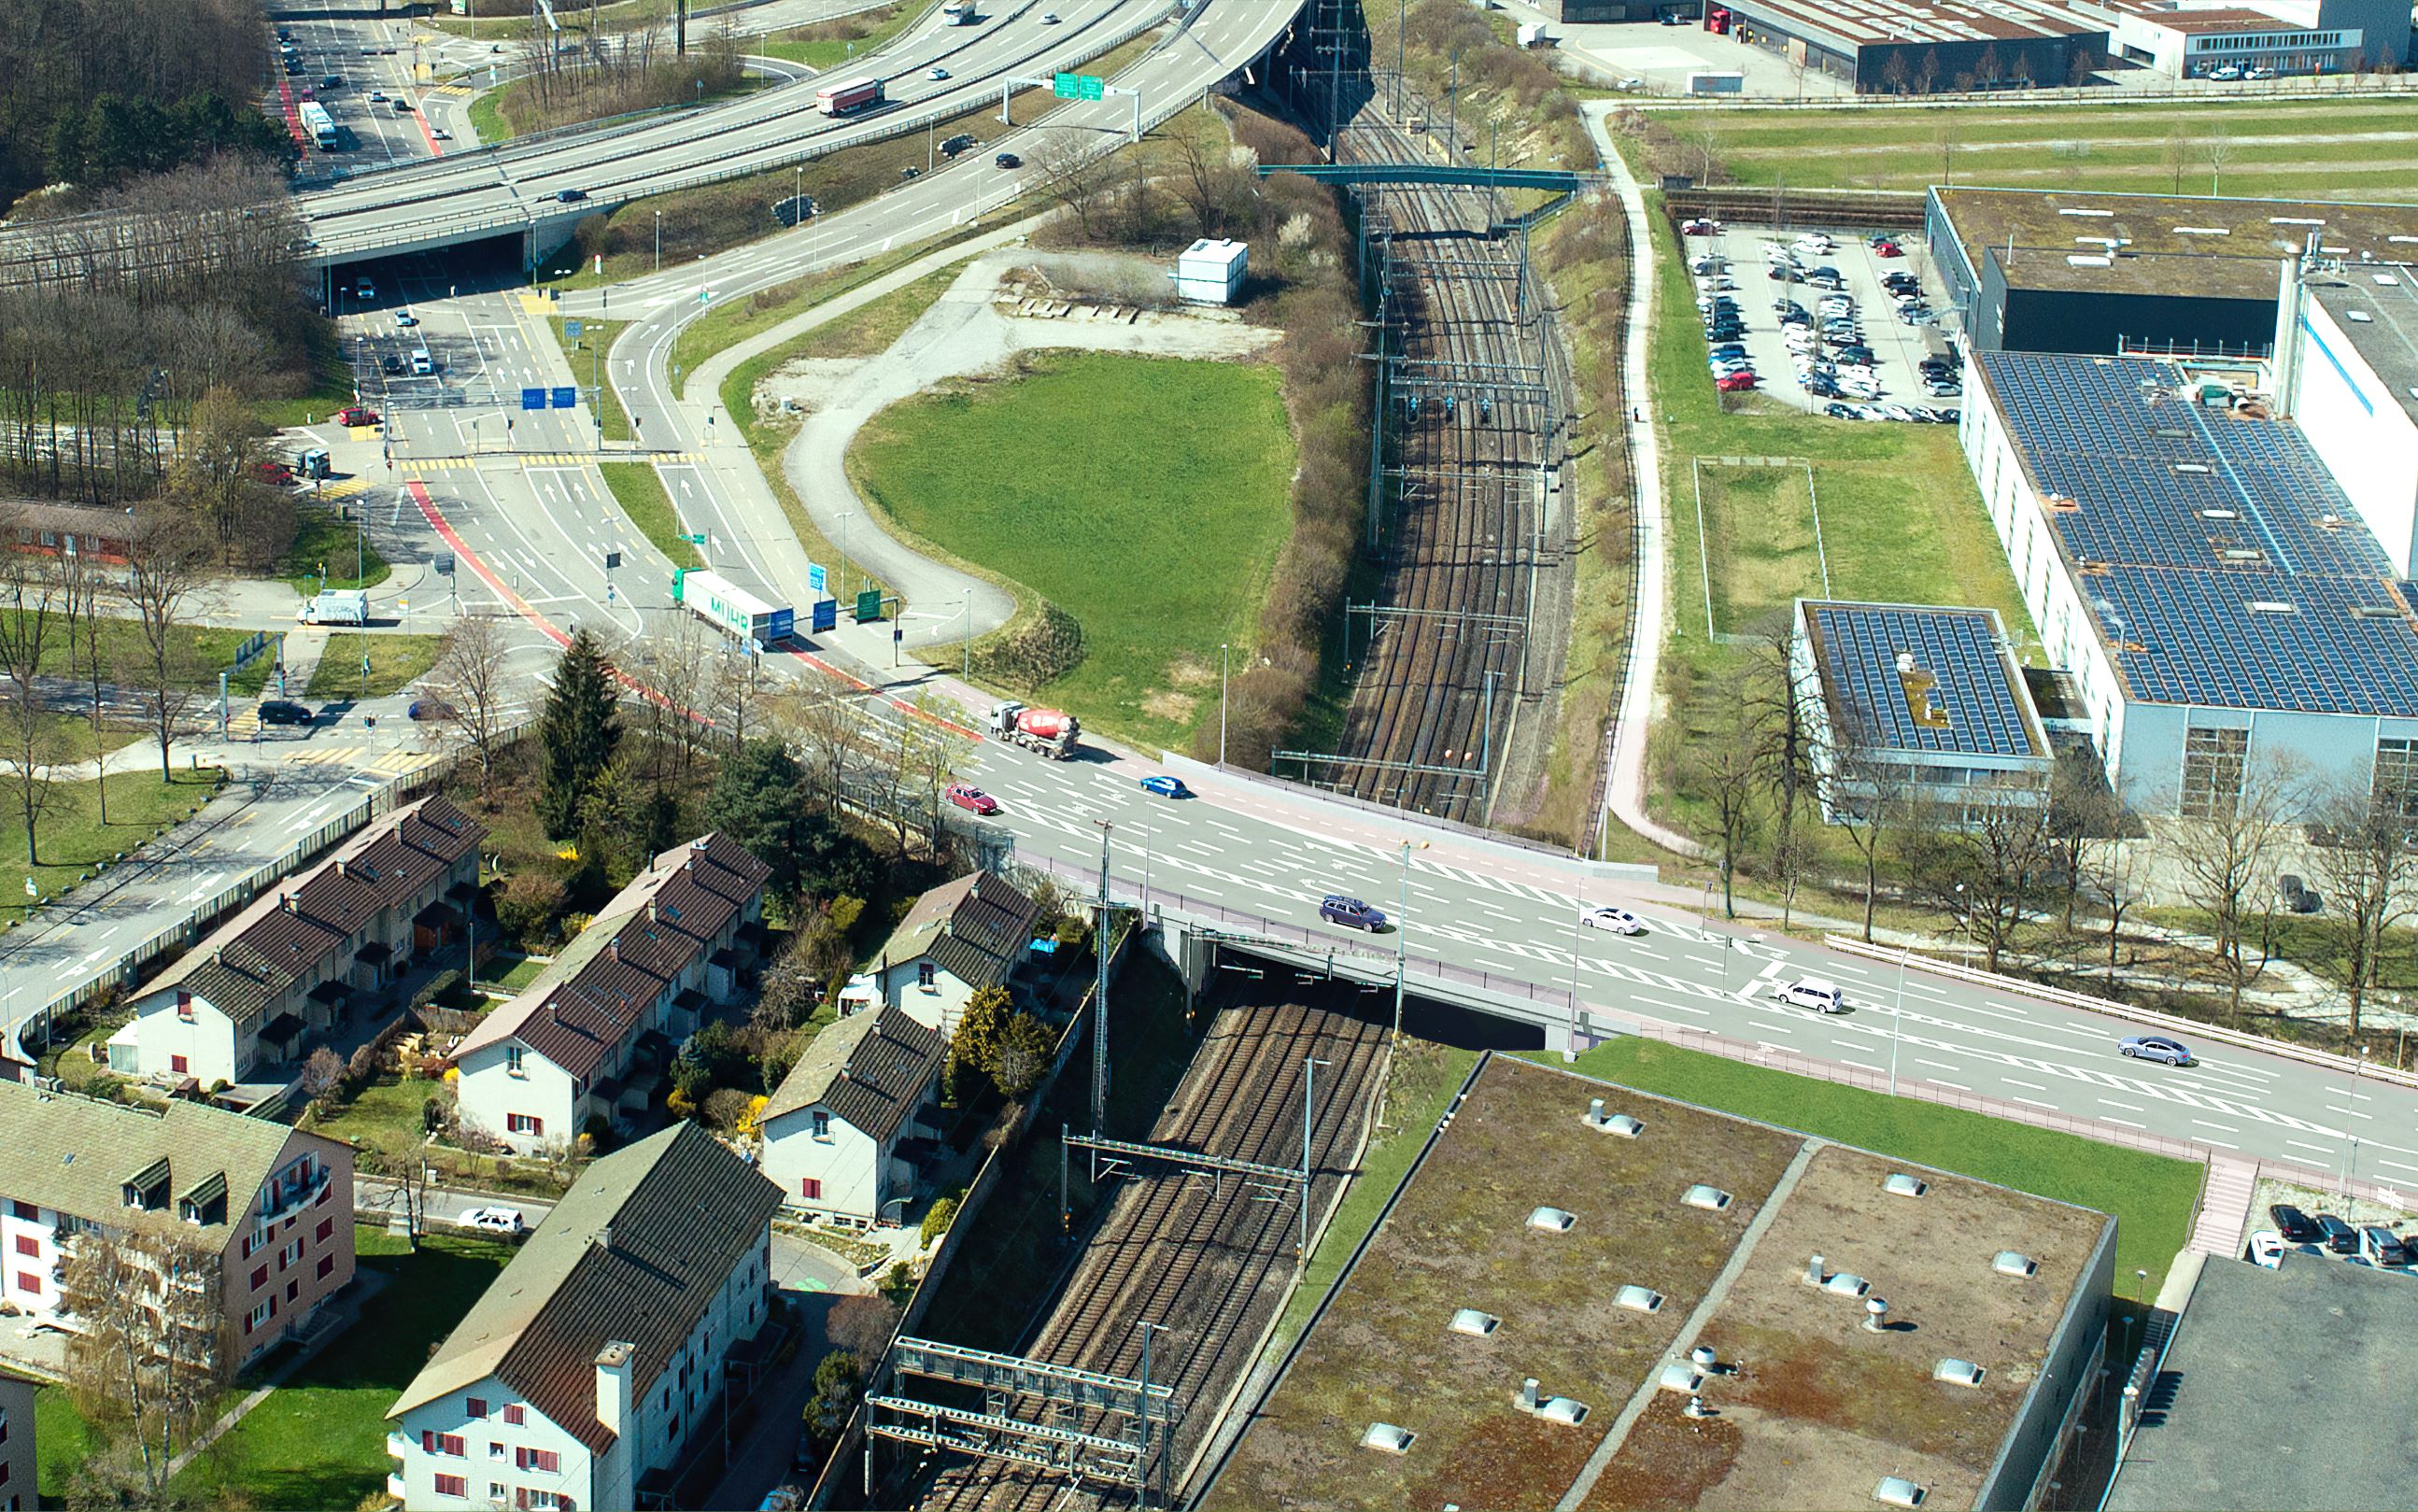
{"x":1210,"y":272}
{"x":1532,"y":34}
{"x":1715,"y":84}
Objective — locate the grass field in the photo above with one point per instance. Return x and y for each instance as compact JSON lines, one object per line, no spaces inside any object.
{"x":595,"y":336}
{"x":833,"y":44}
{"x":640,"y":491}
{"x":123,"y":655}
{"x":324,"y":540}
{"x":1761,"y":538}
{"x":395,"y":660}
{"x":73,"y":840}
{"x":1144,"y":498}
{"x":2328,"y":147}
{"x":2150,"y":1196}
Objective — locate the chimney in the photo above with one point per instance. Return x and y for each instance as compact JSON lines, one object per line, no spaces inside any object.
{"x":1814,"y":1271}
{"x":289,"y":904}
{"x":613,"y":949}
{"x":1528,"y":1395}
{"x":613,"y":1386}
{"x":605,"y":1239}
{"x":341,"y":864}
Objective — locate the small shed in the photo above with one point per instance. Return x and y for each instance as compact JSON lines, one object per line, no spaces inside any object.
{"x":1210,"y":272}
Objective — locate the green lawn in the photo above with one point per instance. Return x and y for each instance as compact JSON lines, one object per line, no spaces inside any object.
{"x":2325,"y":147}
{"x":2150,"y":1196}
{"x":395,"y":660}
{"x":873,"y":327}
{"x":387,"y":1105}
{"x":1145,"y":497}
{"x":320,"y":1440}
{"x":200,"y":656}
{"x":596,"y":338}
{"x":520,"y":974}
{"x":323,"y":542}
{"x":74,"y":844}
{"x":833,"y":44}
{"x":62,"y":1440}
{"x":639,"y":490}
{"x":487,"y":122}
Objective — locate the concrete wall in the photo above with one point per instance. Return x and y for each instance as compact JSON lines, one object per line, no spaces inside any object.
{"x":2359,"y":430}
{"x":2030,"y":1448}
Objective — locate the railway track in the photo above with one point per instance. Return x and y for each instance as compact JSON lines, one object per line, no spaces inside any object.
{"x":1444,"y":669}
{"x":1197,"y":1261}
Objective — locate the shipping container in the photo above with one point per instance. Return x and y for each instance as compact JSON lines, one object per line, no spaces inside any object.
{"x":732,"y":609}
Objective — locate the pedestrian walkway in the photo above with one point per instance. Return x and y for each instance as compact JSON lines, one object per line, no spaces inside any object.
{"x":392,"y":761}
{"x":2224,"y":1206}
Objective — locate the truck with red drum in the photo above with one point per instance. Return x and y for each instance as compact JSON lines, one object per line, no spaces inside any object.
{"x":1048,"y":731}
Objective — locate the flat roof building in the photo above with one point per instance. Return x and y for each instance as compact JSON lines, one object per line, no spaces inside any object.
{"x":2278,"y":1391}
{"x":1921,"y":47}
{"x":2055,"y":270}
{"x":2195,"y":567}
{"x":2347,"y":373}
{"x":2196,"y":39}
{"x":1918,"y":704}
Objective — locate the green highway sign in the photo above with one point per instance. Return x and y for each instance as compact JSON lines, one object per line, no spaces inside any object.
{"x":868,"y":606}
{"x":1077,"y":86}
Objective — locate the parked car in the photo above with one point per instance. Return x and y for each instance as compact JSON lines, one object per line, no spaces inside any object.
{"x":2296,"y":1227}
{"x":781,"y":1499}
{"x":967,"y":796}
{"x":1841,"y":412}
{"x":377,"y":97}
{"x":438,"y":133}
{"x":2380,"y":1246}
{"x":494,"y":1220}
{"x":1336,"y":909}
{"x":1620,"y":920}
{"x":403,"y":317}
{"x":1698,"y":228}
{"x":2340,"y":1237}
{"x":356,"y":415}
{"x":2164,"y":1047}
{"x":283,"y":712}
{"x":390,"y":365}
{"x":2266,"y":1248}
{"x":1166,"y":786}
{"x":273,"y":472}
{"x":1811,"y":992}
{"x":1731,"y":383}
{"x":1888,"y":249}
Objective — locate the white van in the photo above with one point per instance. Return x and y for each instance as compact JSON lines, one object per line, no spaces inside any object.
{"x":421,"y":363}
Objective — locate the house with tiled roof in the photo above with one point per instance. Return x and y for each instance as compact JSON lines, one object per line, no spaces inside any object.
{"x":579,"y":1041}
{"x":275,"y":1204}
{"x":304,"y":954}
{"x":586,"y":1371}
{"x":959,"y":939}
{"x":841,"y":1131}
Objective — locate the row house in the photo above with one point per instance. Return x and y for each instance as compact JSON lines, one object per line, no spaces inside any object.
{"x":585,"y":1375}
{"x":274,"y":1204}
{"x":843,"y":1132}
{"x":293,"y":961}
{"x":637,"y":982}
{"x":959,"y":939}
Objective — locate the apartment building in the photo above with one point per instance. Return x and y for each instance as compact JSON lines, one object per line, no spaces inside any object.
{"x":841,"y":1132}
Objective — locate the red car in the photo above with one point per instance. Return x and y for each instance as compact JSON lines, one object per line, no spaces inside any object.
{"x":966,"y":795}
{"x":1888,"y":249}
{"x":1698,"y":228}
{"x":273,"y":472}
{"x":356,"y":415}
{"x":1735,"y":382}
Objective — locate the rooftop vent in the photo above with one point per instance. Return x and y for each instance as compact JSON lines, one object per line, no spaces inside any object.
{"x":1901,"y":1185}
{"x":1957,"y":1372}
{"x":1388,"y":1437}
{"x":1475,"y":1323}
{"x":1875,"y":1308}
{"x":2374,"y":611}
{"x":2220,"y":514}
{"x":2271,"y":606}
{"x":2203,"y":231}
{"x":2015,"y":1262}
{"x":1704,"y":1358}
{"x":1711,"y":1199}
{"x":1563,"y":1410}
{"x":1525,"y":1398}
{"x":1620,"y":1124}
{"x":1551,"y":1220}
{"x":2387,"y":280}
{"x":1683,"y":1377}
{"x":2240,"y":554}
{"x":1639,"y":1299}
{"x":2101,"y":213}
{"x":2293,"y":220}
{"x":2088,"y":259}
{"x":1846,"y":1284}
{"x":1896,"y":1490}
{"x":2358,"y":317}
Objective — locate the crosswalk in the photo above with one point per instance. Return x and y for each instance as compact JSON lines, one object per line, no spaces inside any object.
{"x":388,"y":760}
{"x":342,"y":488}
{"x":547,"y":459}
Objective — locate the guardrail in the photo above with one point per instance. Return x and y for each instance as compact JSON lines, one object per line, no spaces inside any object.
{"x":2149,"y":1018}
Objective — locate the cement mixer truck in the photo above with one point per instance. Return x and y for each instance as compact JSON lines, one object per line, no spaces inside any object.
{"x":1045,"y":730}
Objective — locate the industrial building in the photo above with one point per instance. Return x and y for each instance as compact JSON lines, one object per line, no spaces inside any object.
{"x":2347,"y":372}
{"x":2195,"y":38}
{"x":1591,"y":10}
{"x":2195,"y":566}
{"x":1918,"y":705}
{"x":2032,"y":270}
{"x":1923,"y":47}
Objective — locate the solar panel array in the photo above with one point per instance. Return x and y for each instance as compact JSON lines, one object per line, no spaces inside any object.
{"x":1859,"y":644}
{"x":2226,"y":565}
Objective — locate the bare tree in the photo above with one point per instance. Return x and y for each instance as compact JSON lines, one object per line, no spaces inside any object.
{"x":736,"y":697}
{"x":827,"y":726}
{"x":1986,"y":870}
{"x":862,"y":1326}
{"x":1080,"y":178}
{"x":153,"y":1352}
{"x":2225,"y":859}
{"x":2114,"y":876}
{"x":2178,"y":157}
{"x":1727,"y":771}
{"x":1779,"y":713}
{"x":168,"y":574}
{"x":83,"y":582}
{"x":35,"y":625}
{"x":469,"y":677}
{"x":402,"y":1159}
{"x":2084,"y":814}
{"x":1868,"y":804}
{"x":2218,"y":149}
{"x":2360,"y":853}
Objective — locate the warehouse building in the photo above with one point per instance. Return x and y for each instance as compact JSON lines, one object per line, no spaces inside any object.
{"x":2033,"y":270}
{"x":2195,"y":38}
{"x":2347,"y":372}
{"x":1917,"y":704}
{"x":2212,"y":589}
{"x":1922,"y":47}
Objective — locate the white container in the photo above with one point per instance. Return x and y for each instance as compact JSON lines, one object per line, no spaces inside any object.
{"x":1212,"y":272}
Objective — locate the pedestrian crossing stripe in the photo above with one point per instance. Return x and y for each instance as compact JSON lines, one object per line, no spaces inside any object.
{"x":247,"y":722}
{"x":539,"y":459}
{"x":459,"y":90}
{"x":345,"y":489}
{"x":535,"y":304}
{"x":325,"y":755}
{"x":402,"y":763}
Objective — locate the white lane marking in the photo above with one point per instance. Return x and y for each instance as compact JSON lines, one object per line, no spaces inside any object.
{"x":2014,"y":1082}
{"x":2037,"y":1103}
{"x":2304,"y":1144}
{"x":2206,"y":1124}
{"x":2129,"y":1108}
{"x":2126,"y":1121}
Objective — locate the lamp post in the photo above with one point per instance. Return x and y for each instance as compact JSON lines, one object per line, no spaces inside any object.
{"x":1223,"y":649}
{"x":659,"y":241}
{"x":845,"y":515}
{"x":1578,"y":922}
{"x":1402,"y":936}
{"x":1897,"y":1018}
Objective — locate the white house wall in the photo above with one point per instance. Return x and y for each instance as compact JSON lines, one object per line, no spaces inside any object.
{"x":489,"y":1094}
{"x":214,"y":1048}
{"x":488,"y":1459}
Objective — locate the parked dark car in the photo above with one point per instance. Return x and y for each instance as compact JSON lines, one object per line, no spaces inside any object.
{"x":284,"y":712}
{"x":1336,"y":909}
{"x":2296,"y":1227}
{"x":2382,"y":1246}
{"x":2340,"y":1237}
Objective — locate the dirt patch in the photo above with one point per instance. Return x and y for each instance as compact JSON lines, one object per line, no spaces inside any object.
{"x":1669,"y":1461}
{"x":1190,"y":672}
{"x":1460,"y":1238}
{"x":1176,"y":708}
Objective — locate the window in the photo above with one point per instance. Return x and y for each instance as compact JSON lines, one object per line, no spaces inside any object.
{"x":516,"y":1414}
{"x":545,"y":1461}
{"x":822,"y":1123}
{"x":260,"y":1312}
{"x":2396,"y":776}
{"x":293,"y":1290}
{"x":28,"y":1244}
{"x":289,"y":1255}
{"x":547,"y":1501}
{"x":28,"y":1281}
{"x":453,"y":1486}
{"x":178,"y":1064}
{"x":4,"y":1427}
{"x":923,"y":975}
{"x":25,"y":1211}
{"x":2214,"y":760}
{"x":495,"y":1489}
{"x":326,"y":1230}
{"x":476,"y":1406}
{"x":522,"y":1123}
{"x":810,"y":1189}
{"x":495,"y":1450}
{"x":513,"y":1066}
{"x":184,"y":1007}
{"x":327,"y":1267}
{"x":250,"y":1243}
{"x":431,"y":1441}
{"x":259,"y":1276}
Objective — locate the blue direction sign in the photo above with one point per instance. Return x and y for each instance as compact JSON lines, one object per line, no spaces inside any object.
{"x":533,"y":399}
{"x":815,"y":576}
{"x":826,"y":612}
{"x":566,"y":399}
{"x":572,"y":329}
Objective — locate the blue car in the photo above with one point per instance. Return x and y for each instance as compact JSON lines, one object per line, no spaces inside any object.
{"x":1336,"y":909}
{"x":1166,"y":786}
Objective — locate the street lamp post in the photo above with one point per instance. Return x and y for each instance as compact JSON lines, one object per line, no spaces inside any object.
{"x":845,"y":515}
{"x":1577,"y":921}
{"x":1223,"y":649}
{"x":1402,"y":936}
{"x":1897,"y":1018}
{"x":659,"y":241}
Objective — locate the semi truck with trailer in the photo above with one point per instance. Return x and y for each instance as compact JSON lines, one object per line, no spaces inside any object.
{"x":1048,"y":731}
{"x":732,"y":609}
{"x":850,"y":99}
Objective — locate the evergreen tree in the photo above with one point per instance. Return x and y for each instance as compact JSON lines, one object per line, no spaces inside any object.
{"x":1023,"y":1056}
{"x":577,"y":734}
{"x":759,"y":799}
{"x":982,"y":1030}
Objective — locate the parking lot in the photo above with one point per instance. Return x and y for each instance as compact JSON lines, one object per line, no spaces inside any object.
{"x":1756,"y":267}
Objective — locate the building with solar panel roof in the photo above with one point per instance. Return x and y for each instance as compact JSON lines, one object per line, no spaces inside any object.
{"x":2199,"y":570}
{"x":1915,"y":702}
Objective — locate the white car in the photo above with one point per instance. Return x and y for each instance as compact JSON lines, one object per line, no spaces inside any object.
{"x":405,"y":317}
{"x":2267,"y":1248}
{"x":1811,"y":992}
{"x":440,"y":135}
{"x":1620,"y":920}
{"x":935,"y":73}
{"x":493,"y":1220}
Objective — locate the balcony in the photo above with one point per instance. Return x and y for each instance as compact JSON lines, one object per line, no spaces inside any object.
{"x":394,"y":1487}
{"x":398,"y":1447}
{"x":279,"y":1201}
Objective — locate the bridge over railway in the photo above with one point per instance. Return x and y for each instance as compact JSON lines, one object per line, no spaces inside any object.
{"x":1559,"y":180}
